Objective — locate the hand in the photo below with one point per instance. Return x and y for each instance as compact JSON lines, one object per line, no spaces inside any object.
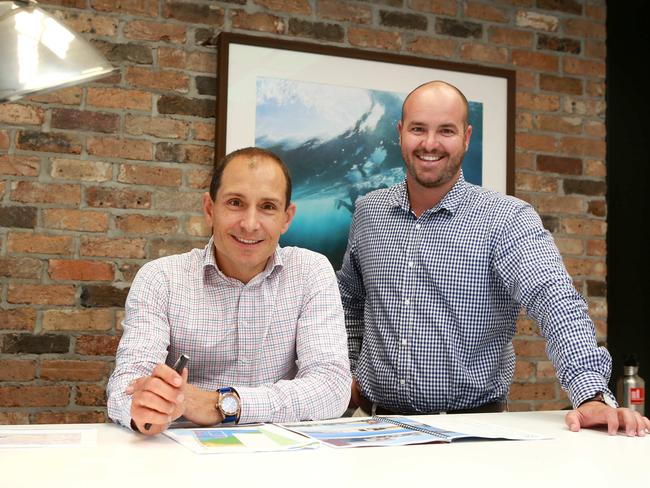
{"x":592,"y":414}
{"x":357,"y":400}
{"x":158,"y":399}
{"x":200,"y":406}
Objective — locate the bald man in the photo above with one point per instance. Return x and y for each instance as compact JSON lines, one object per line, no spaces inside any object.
{"x":434,"y":277}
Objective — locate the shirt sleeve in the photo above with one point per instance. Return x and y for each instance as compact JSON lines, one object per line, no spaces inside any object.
{"x":321,"y":387}
{"x":353,"y":293}
{"x":532,"y":269}
{"x":144,"y":341}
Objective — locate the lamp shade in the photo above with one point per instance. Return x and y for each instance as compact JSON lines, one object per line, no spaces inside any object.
{"x":38,"y":53}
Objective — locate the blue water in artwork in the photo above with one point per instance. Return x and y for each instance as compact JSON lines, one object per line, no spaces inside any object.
{"x":339,"y":143}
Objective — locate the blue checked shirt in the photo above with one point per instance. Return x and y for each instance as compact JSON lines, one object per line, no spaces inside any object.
{"x":431,"y":303}
{"x":279,"y":340}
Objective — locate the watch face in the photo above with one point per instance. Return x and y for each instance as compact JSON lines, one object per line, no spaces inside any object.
{"x":229,"y":404}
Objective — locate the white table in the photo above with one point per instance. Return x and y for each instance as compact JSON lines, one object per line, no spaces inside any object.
{"x":124,"y":459}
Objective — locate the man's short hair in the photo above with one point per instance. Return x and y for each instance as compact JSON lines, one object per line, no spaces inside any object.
{"x":249,"y":152}
{"x":440,"y":82}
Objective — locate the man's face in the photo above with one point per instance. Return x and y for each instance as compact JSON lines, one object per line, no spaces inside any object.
{"x":248,"y":215}
{"x":433,"y":137}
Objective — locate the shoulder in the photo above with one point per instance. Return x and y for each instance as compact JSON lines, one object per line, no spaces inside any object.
{"x":488,"y":202}
{"x":301,"y":260}
{"x":165,"y":268}
{"x":377,"y":198}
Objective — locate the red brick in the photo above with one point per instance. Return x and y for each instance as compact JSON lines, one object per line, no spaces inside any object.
{"x":64,"y":96}
{"x":344,"y":11}
{"x":107,"y":247}
{"x":66,"y":219}
{"x":26,"y":242}
{"x":78,"y":320}
{"x":597,"y":12}
{"x":596,"y":248}
{"x":42,"y":294}
{"x":91,"y":395}
{"x":202,"y":131}
{"x":511,"y":37}
{"x":258,"y":21}
{"x":190,"y":11}
{"x":73,"y":370}
{"x":120,"y":148}
{"x":21,"y":268}
{"x":155,"y":31}
{"x":158,"y":80}
{"x":526,"y":80}
{"x":177,"y":201}
{"x":535,"y":182}
{"x":569,"y":246}
{"x":527,"y":326}
{"x":442,"y":7}
{"x":97,"y":25}
{"x":196,"y":226}
{"x":119,"y":98}
{"x":97,"y":345}
{"x":374,"y":39}
{"x":577,"y":146}
{"x":14,"y":418}
{"x":136,"y":7}
{"x":111,"y":197}
{"x":536,"y":20}
{"x":556,"y":164}
{"x":595,"y":49}
{"x":146,"y":224}
{"x":48,"y":142}
{"x":19,"y":165}
{"x":518,"y":407}
{"x":584,"y":227}
{"x":32,"y":192}
{"x":535,"y":142}
{"x":563,"y":125}
{"x":539,"y":61}
{"x":596,"y":129}
{"x":485,"y":12}
{"x":17,"y":114}
{"x":598,"y":208}
{"x":291,"y":6}
{"x":583,"y":67}
{"x":17,"y":319}
{"x":167,"y":247}
{"x":158,"y":127}
{"x":77,"y":270}
{"x":556,"y":204}
{"x":69,"y":417}
{"x":4,"y":139}
{"x":484,"y":53}
{"x":531,"y":101}
{"x":433,"y":47}
{"x":189,"y":61}
{"x":83,"y":120}
{"x":562,"y":84}
{"x":524,"y":121}
{"x":17,"y":370}
{"x":529,"y":348}
{"x":524,"y":370}
{"x":595,"y":168}
{"x":585,"y":29}
{"x":585,"y":267}
{"x":34,"y":396}
{"x":532,"y":391}
{"x":199,"y":179}
{"x":76,"y":169}
{"x":148,"y":175}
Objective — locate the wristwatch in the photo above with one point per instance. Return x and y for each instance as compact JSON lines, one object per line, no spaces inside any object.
{"x":228,"y":404}
{"x":602,"y":397}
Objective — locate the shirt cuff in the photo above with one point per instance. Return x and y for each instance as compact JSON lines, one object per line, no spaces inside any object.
{"x":585,"y":386}
{"x":255,"y":404}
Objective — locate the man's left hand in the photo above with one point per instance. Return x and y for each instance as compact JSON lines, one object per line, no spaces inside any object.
{"x":594,"y":414}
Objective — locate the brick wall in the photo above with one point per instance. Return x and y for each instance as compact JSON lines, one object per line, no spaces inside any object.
{"x":98,"y":179}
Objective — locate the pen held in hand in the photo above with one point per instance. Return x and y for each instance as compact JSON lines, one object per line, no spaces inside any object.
{"x":181,"y":362}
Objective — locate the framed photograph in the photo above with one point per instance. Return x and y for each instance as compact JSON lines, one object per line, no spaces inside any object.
{"x":331,"y":115}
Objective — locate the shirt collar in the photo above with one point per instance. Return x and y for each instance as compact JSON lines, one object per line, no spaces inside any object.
{"x":450,"y":202}
{"x":210,"y":262}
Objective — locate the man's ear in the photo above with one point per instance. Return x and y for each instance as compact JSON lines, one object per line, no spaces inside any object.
{"x":468,"y":134}
{"x":289,"y":214}
{"x":399,"y":130}
{"x":208,"y":209}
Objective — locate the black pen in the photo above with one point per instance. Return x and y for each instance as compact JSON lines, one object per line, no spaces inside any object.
{"x":181,"y":362}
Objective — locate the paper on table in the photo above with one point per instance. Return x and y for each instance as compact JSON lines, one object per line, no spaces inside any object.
{"x":241,"y":438}
{"x":16,"y":438}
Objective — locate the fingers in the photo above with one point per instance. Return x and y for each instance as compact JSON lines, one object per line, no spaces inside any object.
{"x":572,"y":420}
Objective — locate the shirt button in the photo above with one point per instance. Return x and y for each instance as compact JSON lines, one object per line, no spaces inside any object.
{"x":404,"y":342}
{"x":417,"y":226}
{"x":411,"y":264}
{"x":402,"y":382}
{"x":407,"y":301}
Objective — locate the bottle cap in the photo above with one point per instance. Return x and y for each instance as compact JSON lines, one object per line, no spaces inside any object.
{"x":631,"y":360}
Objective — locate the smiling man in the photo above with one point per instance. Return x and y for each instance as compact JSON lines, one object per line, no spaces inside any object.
{"x":435,"y":275}
{"x":262,"y":325}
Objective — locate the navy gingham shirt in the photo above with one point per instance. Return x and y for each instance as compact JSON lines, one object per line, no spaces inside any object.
{"x":431,"y":303}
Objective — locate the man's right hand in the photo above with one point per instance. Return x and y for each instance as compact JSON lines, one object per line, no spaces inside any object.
{"x":158,"y":399}
{"x":357,"y":400}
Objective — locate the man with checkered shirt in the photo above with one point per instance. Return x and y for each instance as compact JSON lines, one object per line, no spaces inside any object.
{"x":434,"y":276}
